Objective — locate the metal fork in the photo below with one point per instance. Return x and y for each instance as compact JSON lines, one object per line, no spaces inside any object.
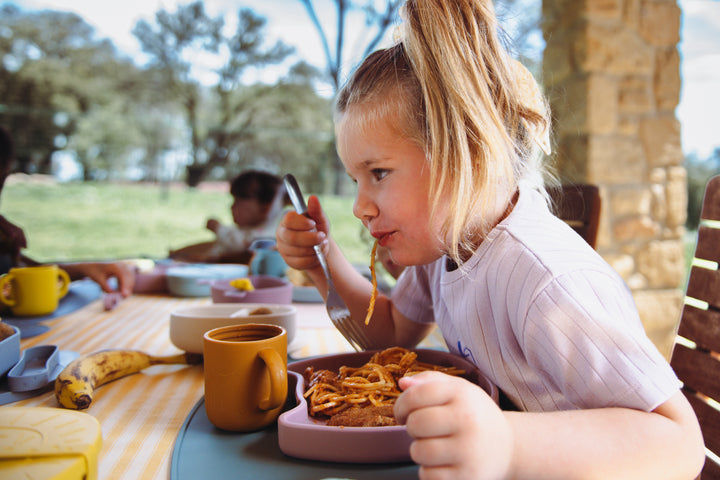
{"x":336,"y":308}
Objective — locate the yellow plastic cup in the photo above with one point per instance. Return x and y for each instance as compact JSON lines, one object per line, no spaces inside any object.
{"x":33,"y":291}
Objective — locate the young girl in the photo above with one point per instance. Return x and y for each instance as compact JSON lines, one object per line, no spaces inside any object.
{"x":440,"y":133}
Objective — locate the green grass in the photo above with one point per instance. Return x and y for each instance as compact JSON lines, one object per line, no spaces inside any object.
{"x":88,"y":221}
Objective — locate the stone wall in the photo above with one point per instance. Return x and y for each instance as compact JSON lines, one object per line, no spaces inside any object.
{"x":612,"y":74}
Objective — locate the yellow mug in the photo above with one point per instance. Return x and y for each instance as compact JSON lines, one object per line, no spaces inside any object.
{"x":33,"y":291}
{"x":245,"y":375}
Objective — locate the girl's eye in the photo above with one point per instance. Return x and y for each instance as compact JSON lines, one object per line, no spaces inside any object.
{"x":379,"y":173}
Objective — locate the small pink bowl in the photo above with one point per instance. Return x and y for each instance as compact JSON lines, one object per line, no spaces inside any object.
{"x":268,"y":289}
{"x":154,"y":281}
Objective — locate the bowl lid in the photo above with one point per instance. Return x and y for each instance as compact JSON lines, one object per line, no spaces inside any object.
{"x":207,"y":271}
{"x":59,"y":443}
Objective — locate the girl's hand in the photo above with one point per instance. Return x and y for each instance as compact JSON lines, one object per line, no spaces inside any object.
{"x":458,"y":431}
{"x":297,"y":234}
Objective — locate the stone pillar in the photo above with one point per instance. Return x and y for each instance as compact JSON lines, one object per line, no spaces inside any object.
{"x":611,"y":71}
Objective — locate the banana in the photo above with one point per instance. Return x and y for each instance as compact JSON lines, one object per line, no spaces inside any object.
{"x":75,"y":385}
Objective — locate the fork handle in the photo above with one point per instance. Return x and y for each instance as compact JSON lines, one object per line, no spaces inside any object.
{"x":323,"y":262}
{"x":296,"y":197}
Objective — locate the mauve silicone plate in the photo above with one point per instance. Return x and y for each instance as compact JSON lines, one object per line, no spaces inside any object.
{"x":301,"y":436}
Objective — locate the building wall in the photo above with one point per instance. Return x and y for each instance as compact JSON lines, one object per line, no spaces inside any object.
{"x":612,"y":75}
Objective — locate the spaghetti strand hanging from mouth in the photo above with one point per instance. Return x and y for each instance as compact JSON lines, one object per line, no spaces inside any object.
{"x":373,"y":273}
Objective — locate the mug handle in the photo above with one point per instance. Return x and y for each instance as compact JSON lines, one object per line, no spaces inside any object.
{"x":278,"y":379}
{"x":65,"y":282}
{"x":4,"y":280}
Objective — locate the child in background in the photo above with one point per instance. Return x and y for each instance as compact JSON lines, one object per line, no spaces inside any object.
{"x":441,"y":133}
{"x":259,"y":199}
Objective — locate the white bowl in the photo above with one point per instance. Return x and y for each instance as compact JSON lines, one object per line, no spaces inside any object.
{"x":189,"y":324}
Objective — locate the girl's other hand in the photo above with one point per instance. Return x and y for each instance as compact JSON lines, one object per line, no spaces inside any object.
{"x":458,"y":431}
{"x":298,"y":234}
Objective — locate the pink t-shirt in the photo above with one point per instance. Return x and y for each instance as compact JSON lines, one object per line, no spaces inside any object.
{"x":543,"y":316}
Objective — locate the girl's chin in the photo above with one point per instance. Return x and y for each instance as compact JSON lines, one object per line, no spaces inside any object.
{"x":404,"y":260}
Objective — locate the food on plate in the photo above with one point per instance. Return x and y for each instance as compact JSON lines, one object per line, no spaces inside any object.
{"x":370,"y":416}
{"x":75,"y":385}
{"x":242,"y":284}
{"x":363,"y":396}
{"x":260,"y":311}
{"x":373,"y":273}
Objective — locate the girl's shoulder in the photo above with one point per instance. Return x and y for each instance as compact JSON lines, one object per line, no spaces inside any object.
{"x":535,"y":238}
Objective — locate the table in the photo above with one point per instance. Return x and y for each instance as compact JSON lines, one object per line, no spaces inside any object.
{"x":140,"y":415}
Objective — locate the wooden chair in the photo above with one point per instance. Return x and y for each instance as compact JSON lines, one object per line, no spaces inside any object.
{"x":579,"y":206}
{"x":695,"y":356}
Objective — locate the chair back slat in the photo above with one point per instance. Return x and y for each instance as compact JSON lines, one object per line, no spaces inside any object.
{"x":704,"y":284}
{"x":711,"y":201}
{"x":579,"y":206}
{"x":696,"y":355}
{"x":697,"y":370}
{"x":707,"y":244}
{"x":709,"y":419}
{"x":701,"y":326}
{"x":711,"y":470}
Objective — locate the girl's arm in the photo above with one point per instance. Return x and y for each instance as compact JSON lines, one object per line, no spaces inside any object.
{"x":610,"y":442}
{"x":460,"y":433}
{"x":296,"y":236}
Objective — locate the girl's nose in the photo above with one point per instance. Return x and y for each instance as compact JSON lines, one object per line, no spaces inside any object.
{"x":363,"y":207}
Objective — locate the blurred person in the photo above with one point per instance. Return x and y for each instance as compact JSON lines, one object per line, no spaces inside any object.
{"x":259,"y":199}
{"x":13,"y":240}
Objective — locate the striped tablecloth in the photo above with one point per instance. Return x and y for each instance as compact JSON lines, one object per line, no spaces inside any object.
{"x":140,"y":415}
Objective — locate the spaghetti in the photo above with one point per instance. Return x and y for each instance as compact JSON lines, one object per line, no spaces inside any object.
{"x":373,"y":385}
{"x":373,"y":273}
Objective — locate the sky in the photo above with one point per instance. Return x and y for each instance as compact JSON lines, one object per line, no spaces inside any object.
{"x":287,"y":20}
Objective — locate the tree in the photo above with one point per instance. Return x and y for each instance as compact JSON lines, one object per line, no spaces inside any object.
{"x":57,"y":77}
{"x":170,"y":43}
{"x":292,"y":129}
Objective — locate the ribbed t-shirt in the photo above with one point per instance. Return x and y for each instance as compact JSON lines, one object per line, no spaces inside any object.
{"x":543,"y":316}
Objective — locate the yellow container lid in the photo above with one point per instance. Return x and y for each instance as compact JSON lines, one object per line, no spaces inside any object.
{"x":48,"y":443}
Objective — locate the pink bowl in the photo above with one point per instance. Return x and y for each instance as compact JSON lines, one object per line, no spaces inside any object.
{"x":154,"y":281}
{"x":268,"y":289}
{"x":301,"y":436}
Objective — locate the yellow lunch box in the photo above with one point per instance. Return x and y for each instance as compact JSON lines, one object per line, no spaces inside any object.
{"x":48,"y":443}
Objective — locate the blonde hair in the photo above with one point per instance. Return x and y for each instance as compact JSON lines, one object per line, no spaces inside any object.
{"x":459,"y":95}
